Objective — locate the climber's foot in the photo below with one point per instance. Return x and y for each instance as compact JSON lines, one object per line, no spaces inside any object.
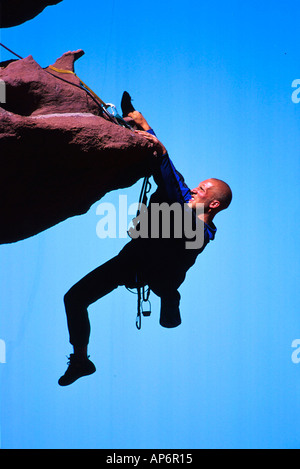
{"x":126,"y":104}
{"x":77,"y":368}
{"x":129,"y":111}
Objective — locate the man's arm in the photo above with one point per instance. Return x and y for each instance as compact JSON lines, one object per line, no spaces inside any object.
{"x":171,"y":181}
{"x":166,"y":176}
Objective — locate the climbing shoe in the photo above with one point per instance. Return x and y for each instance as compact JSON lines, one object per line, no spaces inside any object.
{"x":77,"y":368}
{"x":126,"y":104}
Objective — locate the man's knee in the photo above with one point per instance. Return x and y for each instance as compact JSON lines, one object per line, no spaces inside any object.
{"x":68,"y":298}
{"x":72,"y":297}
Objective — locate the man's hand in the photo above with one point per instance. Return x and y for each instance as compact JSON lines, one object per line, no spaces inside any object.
{"x":153,"y":139}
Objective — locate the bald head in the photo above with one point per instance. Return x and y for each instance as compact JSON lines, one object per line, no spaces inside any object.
{"x":222,"y":193}
{"x":214,"y":194}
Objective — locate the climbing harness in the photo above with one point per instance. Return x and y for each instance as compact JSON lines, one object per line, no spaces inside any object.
{"x":112,"y":114}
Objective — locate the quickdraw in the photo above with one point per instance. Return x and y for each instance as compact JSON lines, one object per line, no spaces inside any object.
{"x":143,"y":298}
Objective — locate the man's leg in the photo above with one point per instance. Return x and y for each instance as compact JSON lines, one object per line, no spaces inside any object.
{"x":129,"y":111}
{"x":91,"y":288}
{"x":140,"y":120}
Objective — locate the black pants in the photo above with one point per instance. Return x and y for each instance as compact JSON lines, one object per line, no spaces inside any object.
{"x":128,"y":268}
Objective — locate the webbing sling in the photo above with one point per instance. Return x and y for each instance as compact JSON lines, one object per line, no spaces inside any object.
{"x":82,"y":83}
{"x":115,"y":118}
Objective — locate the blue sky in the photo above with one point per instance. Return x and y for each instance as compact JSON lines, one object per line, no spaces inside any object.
{"x":215,"y":81}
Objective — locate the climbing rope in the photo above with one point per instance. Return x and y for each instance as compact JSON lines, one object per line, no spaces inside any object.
{"x":9,"y":50}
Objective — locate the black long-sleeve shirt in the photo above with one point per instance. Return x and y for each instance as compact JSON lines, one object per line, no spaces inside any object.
{"x":164,"y":261}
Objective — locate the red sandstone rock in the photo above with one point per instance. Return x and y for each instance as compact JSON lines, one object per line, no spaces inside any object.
{"x":32,"y":90}
{"x":58,"y":155}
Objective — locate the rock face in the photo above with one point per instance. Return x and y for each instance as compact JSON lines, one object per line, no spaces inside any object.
{"x":58,"y":153}
{"x":15,"y":12}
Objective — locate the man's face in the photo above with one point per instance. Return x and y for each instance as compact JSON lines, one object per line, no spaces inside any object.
{"x":203,"y":194}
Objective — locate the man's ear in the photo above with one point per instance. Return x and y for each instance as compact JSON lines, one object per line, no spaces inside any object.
{"x":214,"y":204}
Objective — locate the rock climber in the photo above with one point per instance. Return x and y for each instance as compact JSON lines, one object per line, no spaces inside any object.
{"x":158,"y":262}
